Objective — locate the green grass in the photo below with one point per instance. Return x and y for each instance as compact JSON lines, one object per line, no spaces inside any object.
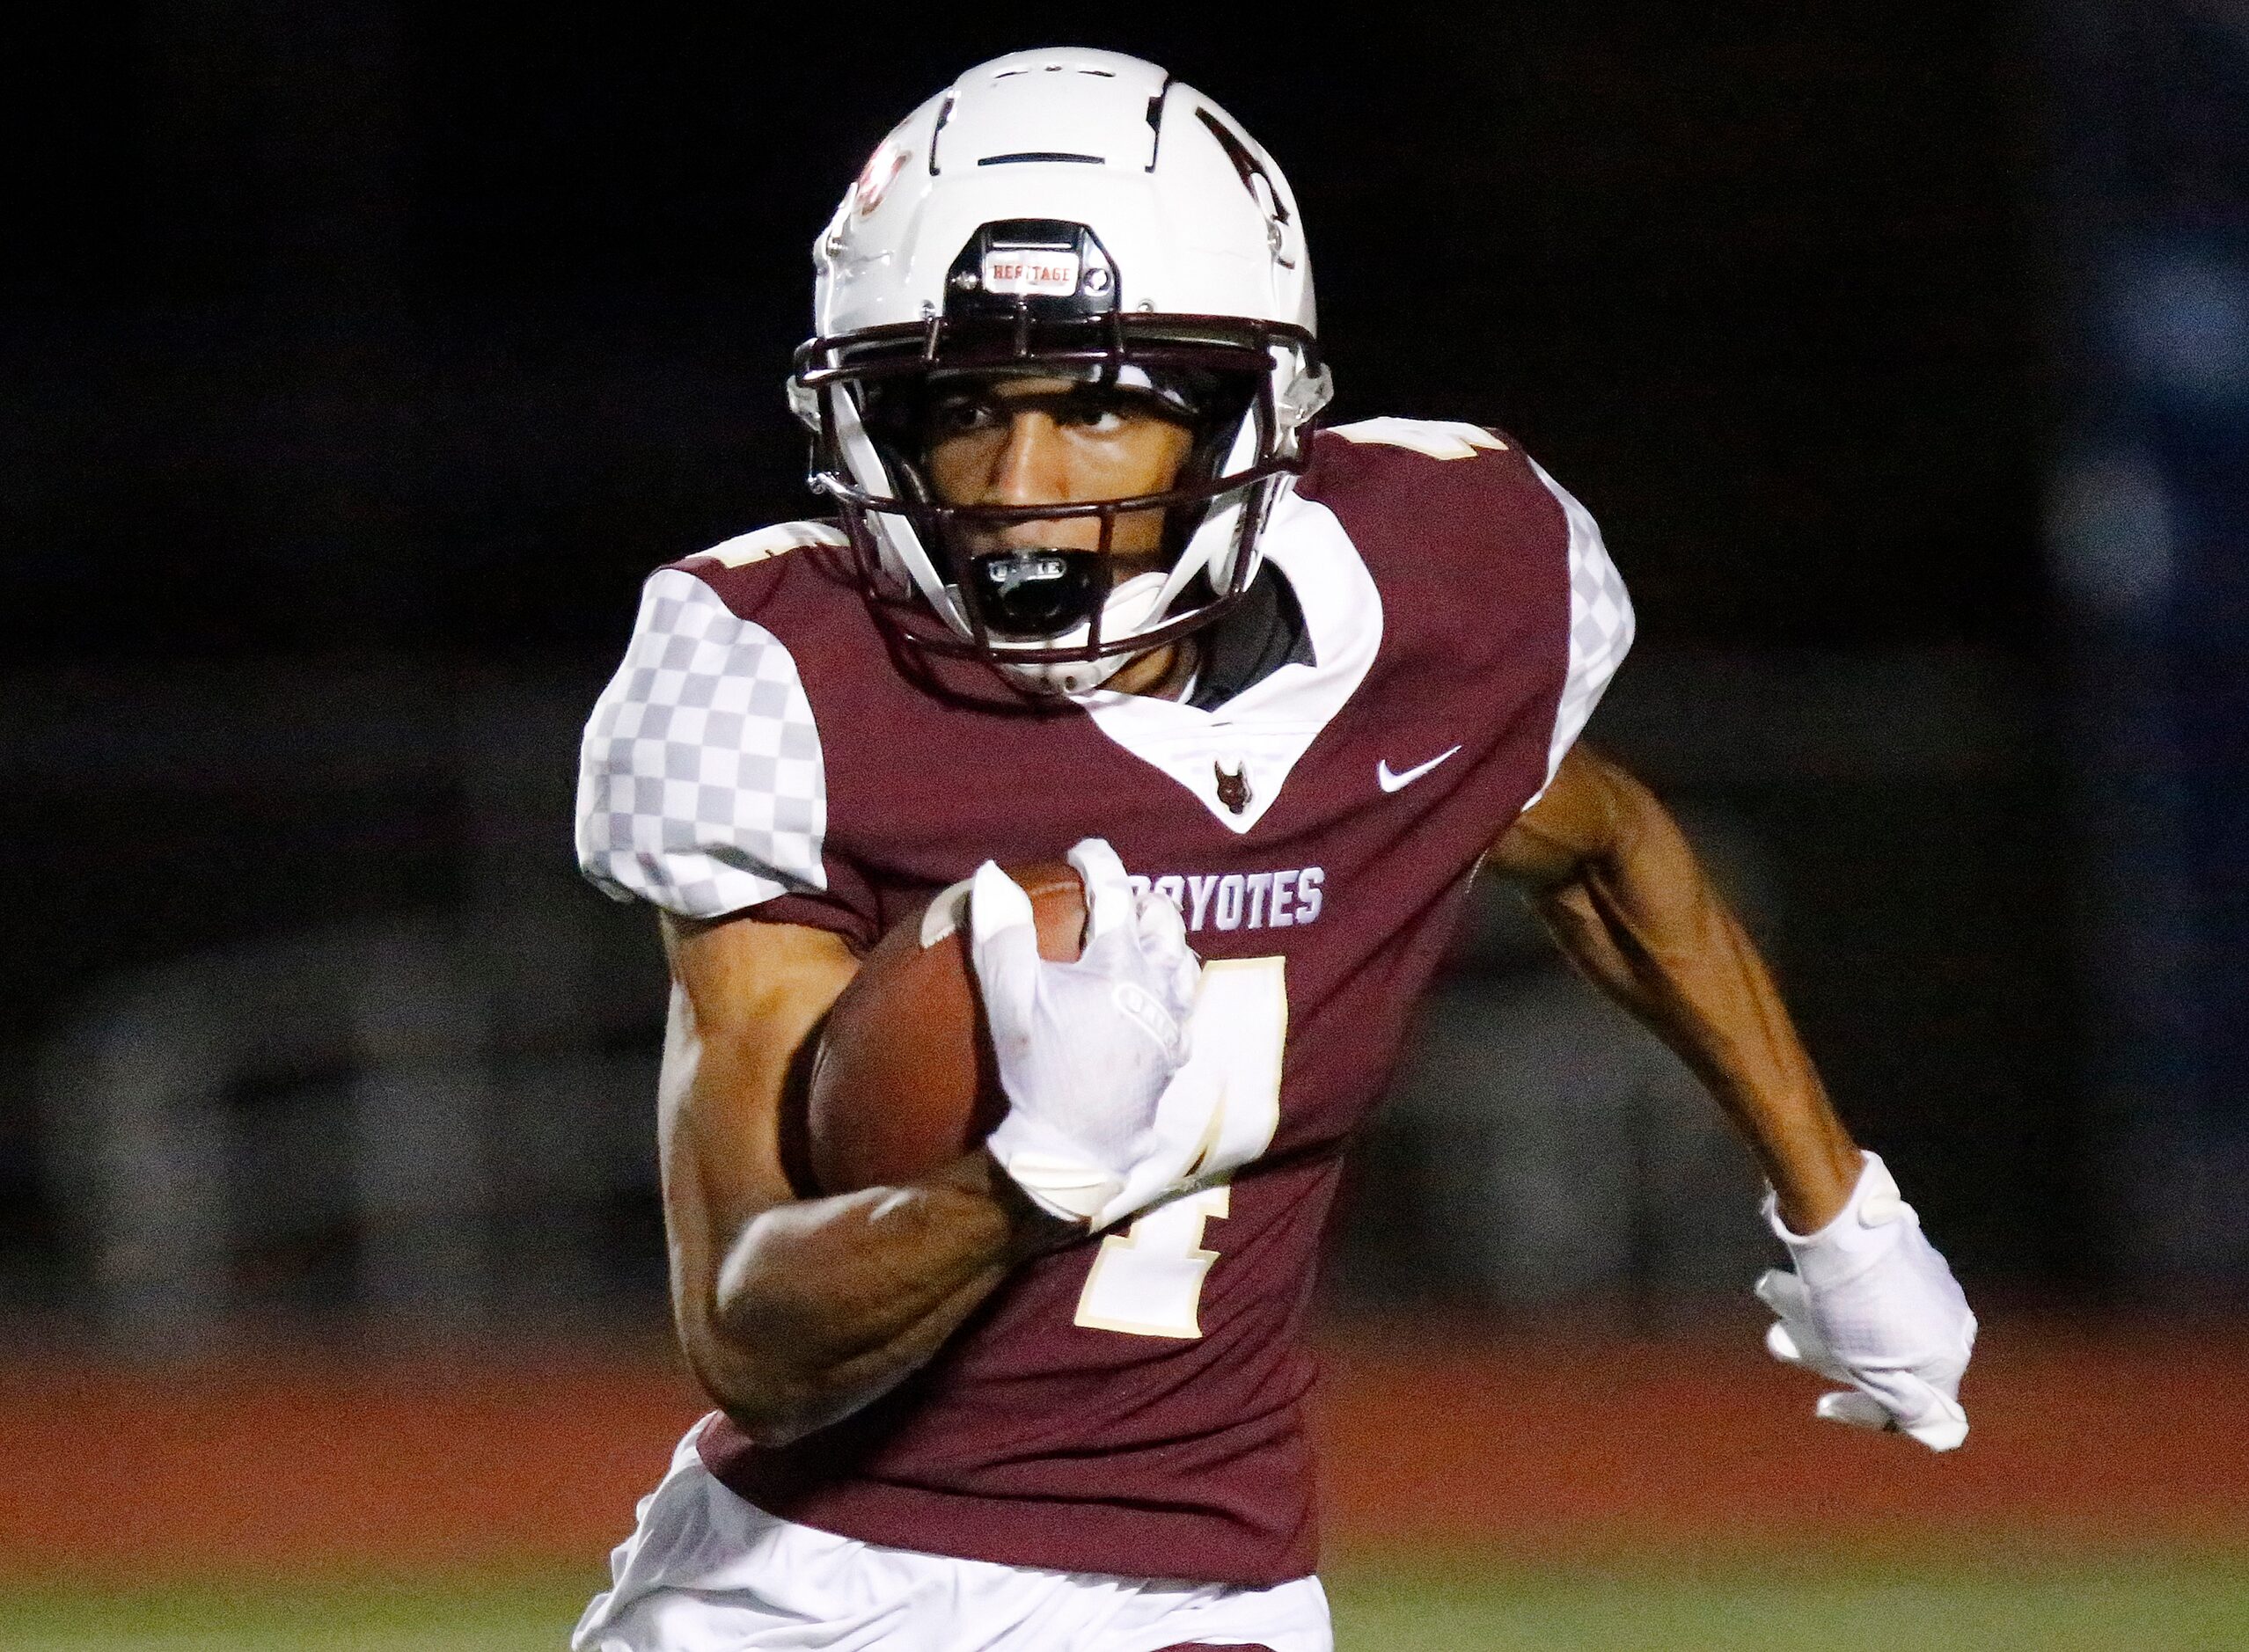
{"x":2160,"y":1604}
{"x":263,"y":1615}
{"x":2166,"y":1605}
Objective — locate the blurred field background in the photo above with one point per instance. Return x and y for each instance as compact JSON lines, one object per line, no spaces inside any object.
{"x":357,"y":361}
{"x":1656,"y":1493}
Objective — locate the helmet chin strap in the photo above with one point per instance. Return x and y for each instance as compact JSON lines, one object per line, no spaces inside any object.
{"x":1210,"y":548}
{"x":1133,"y":606}
{"x":904,"y":561}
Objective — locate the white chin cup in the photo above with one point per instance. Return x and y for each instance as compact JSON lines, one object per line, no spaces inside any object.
{"x":1132,"y":607}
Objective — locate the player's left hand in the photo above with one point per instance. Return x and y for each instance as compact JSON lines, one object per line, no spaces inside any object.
{"x":1873,"y":1305}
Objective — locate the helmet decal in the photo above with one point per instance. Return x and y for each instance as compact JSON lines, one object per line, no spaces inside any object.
{"x":876,"y":178}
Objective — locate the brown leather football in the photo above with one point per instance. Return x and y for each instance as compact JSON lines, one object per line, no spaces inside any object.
{"x":903,"y":1079}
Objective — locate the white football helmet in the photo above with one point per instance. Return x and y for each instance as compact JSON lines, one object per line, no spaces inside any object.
{"x":1077,"y":213}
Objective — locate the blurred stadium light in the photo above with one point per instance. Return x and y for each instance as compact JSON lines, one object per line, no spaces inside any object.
{"x":2148,"y":531}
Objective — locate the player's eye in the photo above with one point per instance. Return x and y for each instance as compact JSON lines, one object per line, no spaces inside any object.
{"x":957,"y":415}
{"x":1103,"y":414}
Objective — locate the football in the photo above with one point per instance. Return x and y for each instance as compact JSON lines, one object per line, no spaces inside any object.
{"x":903,"y":1079}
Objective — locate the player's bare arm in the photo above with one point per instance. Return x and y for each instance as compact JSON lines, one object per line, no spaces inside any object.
{"x":795,"y":1312}
{"x":1870,"y":1303}
{"x":1624,"y":895}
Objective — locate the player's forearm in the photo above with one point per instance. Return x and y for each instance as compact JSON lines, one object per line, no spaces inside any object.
{"x":1642,"y":919}
{"x":822,"y":1306}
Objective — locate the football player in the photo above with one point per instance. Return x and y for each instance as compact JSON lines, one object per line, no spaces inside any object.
{"x":1094,"y":578}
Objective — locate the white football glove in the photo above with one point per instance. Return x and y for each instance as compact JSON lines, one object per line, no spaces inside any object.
{"x":1872,"y":1303}
{"x":1087,"y":1050}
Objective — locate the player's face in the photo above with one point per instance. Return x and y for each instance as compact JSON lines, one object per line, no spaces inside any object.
{"x":1025,"y":440}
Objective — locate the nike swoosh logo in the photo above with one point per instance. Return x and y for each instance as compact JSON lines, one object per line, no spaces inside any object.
{"x":1390,"y":782}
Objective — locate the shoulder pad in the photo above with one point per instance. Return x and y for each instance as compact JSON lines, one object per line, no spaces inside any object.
{"x":1432,"y":438}
{"x":743,"y":549}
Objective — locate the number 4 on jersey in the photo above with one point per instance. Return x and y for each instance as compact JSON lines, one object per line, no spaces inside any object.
{"x":1147,"y":1281}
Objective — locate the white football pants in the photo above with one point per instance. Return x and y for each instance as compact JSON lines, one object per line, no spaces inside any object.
{"x":705,"y":1571}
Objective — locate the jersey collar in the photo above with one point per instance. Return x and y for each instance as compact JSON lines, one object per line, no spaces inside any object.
{"x":1236,"y":757}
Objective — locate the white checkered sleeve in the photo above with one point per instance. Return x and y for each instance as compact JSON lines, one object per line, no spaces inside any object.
{"x":700,"y":787}
{"x":1601,"y":624}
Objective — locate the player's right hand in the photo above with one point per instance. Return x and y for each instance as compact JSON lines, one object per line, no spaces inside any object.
{"x":1086,"y":1051}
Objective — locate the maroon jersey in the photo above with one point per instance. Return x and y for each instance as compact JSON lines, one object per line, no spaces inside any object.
{"x":1132,"y":1405}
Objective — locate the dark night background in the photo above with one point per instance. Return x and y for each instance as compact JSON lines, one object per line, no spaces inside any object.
{"x":1758,"y":278}
{"x":360,"y":361}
